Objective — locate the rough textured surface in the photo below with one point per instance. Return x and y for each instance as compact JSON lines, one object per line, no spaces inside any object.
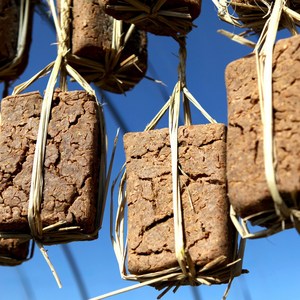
{"x":14,"y":249}
{"x":247,"y":187}
{"x":71,"y":164}
{"x":9,"y":24}
{"x":149,"y":197}
{"x":92,"y":39}
{"x":192,"y":7}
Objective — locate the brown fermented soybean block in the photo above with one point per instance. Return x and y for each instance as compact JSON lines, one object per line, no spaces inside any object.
{"x":71,"y":164}
{"x":149,"y":197}
{"x":192,"y":7}
{"x":247,"y":187}
{"x":13,"y":249}
{"x":92,"y":39}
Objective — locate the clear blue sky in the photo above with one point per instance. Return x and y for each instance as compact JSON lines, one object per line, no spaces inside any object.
{"x":273,"y":262}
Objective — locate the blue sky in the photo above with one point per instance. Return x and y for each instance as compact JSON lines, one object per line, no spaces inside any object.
{"x":273,"y":262}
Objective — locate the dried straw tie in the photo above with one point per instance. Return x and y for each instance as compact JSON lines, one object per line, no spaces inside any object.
{"x":110,"y":72}
{"x":256,"y":20}
{"x":10,"y":69}
{"x":264,"y":57}
{"x":178,"y":20}
{"x":60,"y":65}
{"x":185,"y":273}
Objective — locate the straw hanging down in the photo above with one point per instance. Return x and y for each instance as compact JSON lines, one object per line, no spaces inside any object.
{"x":185,"y":273}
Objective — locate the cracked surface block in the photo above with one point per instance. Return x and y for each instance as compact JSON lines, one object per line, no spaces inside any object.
{"x":92,"y":32}
{"x":14,"y":249}
{"x":71,"y":165}
{"x":155,"y":24}
{"x":9,"y":33}
{"x":247,"y":187}
{"x":149,"y":197}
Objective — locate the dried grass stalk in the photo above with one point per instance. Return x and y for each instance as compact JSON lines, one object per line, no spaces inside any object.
{"x":253,"y":14}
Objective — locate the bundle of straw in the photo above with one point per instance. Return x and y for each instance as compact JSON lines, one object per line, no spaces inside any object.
{"x":254,"y":14}
{"x":161,"y":17}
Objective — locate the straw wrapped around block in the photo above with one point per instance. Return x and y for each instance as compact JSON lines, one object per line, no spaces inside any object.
{"x":71,"y":166}
{"x":254,"y":13}
{"x":247,"y":187}
{"x":208,"y":230}
{"x":13,"y":251}
{"x":115,"y":68}
{"x":167,"y":17}
{"x":13,"y":61}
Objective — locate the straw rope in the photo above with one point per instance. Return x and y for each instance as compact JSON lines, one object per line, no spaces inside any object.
{"x":178,"y":20}
{"x":283,"y":217}
{"x":10,"y":69}
{"x":212,"y":273}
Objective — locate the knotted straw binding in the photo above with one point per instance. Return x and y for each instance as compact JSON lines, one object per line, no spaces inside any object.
{"x":186,"y":273}
{"x":162,"y":17}
{"x":121,"y":61}
{"x":59,"y":232}
{"x":282,"y":216}
{"x":253,"y":15}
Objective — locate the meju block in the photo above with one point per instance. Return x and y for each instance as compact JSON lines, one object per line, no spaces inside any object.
{"x":247,"y":186}
{"x":207,"y":227}
{"x":92,"y":38}
{"x":71,"y":165}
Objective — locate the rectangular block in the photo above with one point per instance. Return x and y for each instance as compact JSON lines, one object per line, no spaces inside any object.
{"x":208,"y":230}
{"x":13,"y":251}
{"x":247,"y":187}
{"x":92,"y":35}
{"x":71,"y":166}
{"x":10,"y":16}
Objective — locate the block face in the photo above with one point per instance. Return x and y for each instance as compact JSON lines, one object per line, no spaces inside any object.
{"x":92,"y":32}
{"x":154,"y":24}
{"x":247,"y":185}
{"x":71,"y":166}
{"x":149,"y":197}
